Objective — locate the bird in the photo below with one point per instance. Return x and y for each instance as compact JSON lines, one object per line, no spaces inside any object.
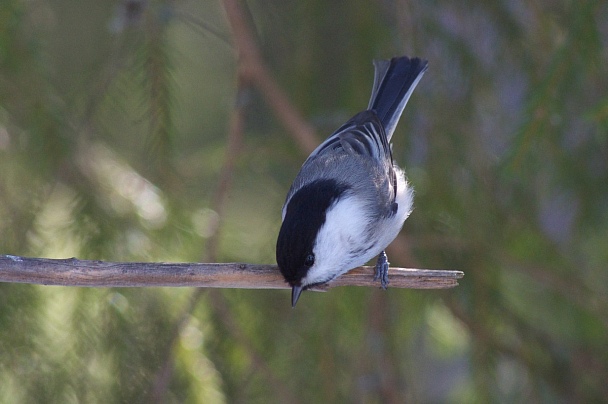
{"x":350,"y":199}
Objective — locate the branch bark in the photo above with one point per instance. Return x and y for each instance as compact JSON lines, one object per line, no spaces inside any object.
{"x":74,"y":272}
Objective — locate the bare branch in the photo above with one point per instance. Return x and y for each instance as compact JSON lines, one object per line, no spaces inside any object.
{"x":253,"y":68}
{"x":74,"y":272}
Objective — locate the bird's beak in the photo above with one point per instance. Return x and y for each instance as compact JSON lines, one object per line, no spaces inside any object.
{"x":295,"y":294}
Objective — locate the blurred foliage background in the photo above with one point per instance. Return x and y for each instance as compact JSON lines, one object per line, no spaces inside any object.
{"x":114,"y":127}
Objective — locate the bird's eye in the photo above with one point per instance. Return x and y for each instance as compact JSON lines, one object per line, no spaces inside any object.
{"x":310,"y":260}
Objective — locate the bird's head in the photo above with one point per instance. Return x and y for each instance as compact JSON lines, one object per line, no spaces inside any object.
{"x":314,"y":240}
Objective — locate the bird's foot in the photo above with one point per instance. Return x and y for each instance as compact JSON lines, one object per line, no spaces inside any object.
{"x":382,"y":270}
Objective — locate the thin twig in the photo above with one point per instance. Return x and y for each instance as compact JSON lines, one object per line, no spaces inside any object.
{"x":258,"y":364}
{"x":253,"y":68}
{"x":162,"y":378}
{"x":235,"y":140}
{"x":74,"y":272}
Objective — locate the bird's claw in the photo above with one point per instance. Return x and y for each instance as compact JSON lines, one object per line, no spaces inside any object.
{"x":382,"y":270}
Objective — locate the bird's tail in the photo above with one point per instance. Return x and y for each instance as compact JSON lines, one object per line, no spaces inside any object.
{"x":394,"y":82}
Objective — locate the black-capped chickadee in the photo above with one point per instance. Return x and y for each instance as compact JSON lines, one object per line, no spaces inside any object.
{"x":349,"y":200}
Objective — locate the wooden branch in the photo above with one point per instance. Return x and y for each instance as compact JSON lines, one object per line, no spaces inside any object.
{"x":74,"y":272}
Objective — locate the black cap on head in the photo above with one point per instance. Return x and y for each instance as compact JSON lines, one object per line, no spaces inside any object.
{"x":304,"y":217}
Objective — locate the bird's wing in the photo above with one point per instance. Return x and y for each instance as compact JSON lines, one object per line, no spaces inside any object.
{"x":363,"y":134}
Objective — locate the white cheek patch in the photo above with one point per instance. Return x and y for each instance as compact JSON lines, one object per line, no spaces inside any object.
{"x":344,"y":230}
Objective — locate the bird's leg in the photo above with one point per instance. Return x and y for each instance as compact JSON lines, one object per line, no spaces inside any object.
{"x":382,"y":270}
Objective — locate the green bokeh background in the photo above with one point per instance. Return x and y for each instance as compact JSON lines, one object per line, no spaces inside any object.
{"x":113,"y":131}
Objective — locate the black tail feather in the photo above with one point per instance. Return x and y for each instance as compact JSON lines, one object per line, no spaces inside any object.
{"x":393,"y":85}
